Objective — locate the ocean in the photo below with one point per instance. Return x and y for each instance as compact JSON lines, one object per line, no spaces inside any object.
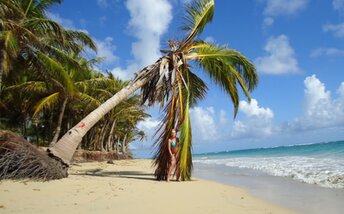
{"x":320,"y":164}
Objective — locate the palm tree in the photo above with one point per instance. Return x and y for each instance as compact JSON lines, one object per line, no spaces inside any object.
{"x":170,"y":81}
{"x":28,"y":36}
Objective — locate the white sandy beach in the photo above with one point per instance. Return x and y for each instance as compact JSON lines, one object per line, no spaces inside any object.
{"x":127,"y":186}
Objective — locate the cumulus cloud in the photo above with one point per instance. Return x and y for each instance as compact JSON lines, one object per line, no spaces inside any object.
{"x":106,"y":50}
{"x":149,"y":20}
{"x":338,"y":5}
{"x":148,"y":23}
{"x":149,"y":126}
{"x":257,"y":122}
{"x":327,"y":52}
{"x":336,"y":29}
{"x":203,"y":123}
{"x":280,"y":58}
{"x":274,"y":8}
{"x":320,"y":109}
{"x":282,"y":7}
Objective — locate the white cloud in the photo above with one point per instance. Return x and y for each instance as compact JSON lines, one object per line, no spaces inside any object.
{"x":320,"y":109}
{"x":66,"y":23}
{"x":102,"y":20}
{"x":341,"y":90}
{"x":223,"y":117}
{"x":149,"y":20}
{"x":203,"y":123}
{"x":338,"y":5}
{"x":258,"y":121}
{"x":149,"y":126}
{"x":280,"y":57}
{"x":282,"y":7}
{"x":327,"y":52}
{"x":268,"y":21}
{"x":337,"y":30}
{"x":106,"y":49}
{"x":209,"y":39}
{"x":120,"y":73}
{"x":103,"y":3}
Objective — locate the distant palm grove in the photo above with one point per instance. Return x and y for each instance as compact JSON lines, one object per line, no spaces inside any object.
{"x":47,"y":84}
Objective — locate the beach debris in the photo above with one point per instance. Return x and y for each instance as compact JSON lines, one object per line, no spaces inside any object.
{"x":19,"y":159}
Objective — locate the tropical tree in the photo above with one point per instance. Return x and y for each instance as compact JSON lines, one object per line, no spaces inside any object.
{"x":170,"y":82}
{"x":29,"y":37}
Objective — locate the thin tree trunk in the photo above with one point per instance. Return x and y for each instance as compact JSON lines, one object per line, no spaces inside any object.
{"x":124,"y":151}
{"x":110,"y":138}
{"x":102,"y":136}
{"x":59,"y":123}
{"x":66,"y":146}
{"x":117,"y":148}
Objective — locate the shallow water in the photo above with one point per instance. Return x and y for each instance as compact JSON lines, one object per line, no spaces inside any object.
{"x":286,"y":192}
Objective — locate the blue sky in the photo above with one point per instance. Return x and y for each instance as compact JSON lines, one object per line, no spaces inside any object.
{"x":296,"y":45}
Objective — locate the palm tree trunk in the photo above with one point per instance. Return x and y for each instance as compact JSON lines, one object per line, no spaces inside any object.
{"x":110,"y":138}
{"x":59,"y":123}
{"x":124,"y":149}
{"x":66,"y":146}
{"x":102,"y":136}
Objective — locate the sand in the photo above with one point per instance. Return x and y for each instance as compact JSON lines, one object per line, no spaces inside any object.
{"x":127,"y":186}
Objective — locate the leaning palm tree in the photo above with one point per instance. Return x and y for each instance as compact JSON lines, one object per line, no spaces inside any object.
{"x":171,"y":83}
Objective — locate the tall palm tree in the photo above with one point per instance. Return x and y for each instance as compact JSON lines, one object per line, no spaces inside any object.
{"x":170,"y":82}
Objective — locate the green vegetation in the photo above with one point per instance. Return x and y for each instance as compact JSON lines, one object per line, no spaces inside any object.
{"x":46,"y":85}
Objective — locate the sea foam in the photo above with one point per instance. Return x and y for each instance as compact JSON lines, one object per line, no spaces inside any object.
{"x":326,"y":172}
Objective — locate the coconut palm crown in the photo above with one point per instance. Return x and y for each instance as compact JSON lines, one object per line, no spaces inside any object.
{"x":171,"y":83}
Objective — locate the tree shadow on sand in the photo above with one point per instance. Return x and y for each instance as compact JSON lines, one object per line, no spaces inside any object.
{"x":141,"y":175}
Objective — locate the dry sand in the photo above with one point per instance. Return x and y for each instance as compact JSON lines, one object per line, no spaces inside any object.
{"x":127,"y":186}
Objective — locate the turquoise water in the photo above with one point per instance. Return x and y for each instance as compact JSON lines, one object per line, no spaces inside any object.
{"x":321,"y":163}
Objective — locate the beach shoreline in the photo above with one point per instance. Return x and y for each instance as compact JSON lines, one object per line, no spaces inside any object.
{"x":127,"y":186}
{"x":283,"y":191}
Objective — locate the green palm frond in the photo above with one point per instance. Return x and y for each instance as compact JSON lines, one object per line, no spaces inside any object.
{"x":10,"y":8}
{"x":46,"y":102}
{"x":37,"y":87}
{"x":185,"y":160}
{"x":89,"y":101}
{"x":197,"y":89}
{"x":56,"y":71}
{"x":9,"y":50}
{"x":44,"y":5}
{"x":80,"y":38}
{"x":44,"y":26}
{"x":227,"y":68}
{"x":199,"y":14}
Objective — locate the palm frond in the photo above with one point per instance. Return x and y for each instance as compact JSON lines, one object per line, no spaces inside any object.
{"x":185,"y":157}
{"x":46,"y":102}
{"x":227,"y":68}
{"x":9,"y":50}
{"x":199,"y":14}
{"x":89,"y":101}
{"x":81,"y":38}
{"x":197,"y":89}
{"x":56,"y":71}
{"x":44,"y":26}
{"x":37,"y":87}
